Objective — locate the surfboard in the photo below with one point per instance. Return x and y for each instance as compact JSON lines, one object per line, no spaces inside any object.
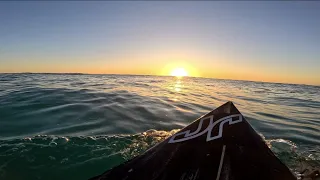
{"x":220,"y":145}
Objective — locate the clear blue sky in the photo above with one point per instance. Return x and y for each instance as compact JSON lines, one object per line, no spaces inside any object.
{"x":267,"y":41}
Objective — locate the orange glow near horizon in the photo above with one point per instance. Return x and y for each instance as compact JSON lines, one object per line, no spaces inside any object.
{"x":178,"y":66}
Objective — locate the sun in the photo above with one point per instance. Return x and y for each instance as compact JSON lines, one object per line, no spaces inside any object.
{"x":179,"y":72}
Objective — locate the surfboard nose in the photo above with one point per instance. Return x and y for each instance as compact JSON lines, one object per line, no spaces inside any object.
{"x":219,"y":145}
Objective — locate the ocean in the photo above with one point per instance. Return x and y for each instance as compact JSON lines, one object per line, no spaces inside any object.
{"x":75,"y":126}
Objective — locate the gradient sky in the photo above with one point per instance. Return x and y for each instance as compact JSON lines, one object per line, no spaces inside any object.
{"x":260,"y":41}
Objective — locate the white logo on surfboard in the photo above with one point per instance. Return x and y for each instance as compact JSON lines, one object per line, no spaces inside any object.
{"x":190,"y":135}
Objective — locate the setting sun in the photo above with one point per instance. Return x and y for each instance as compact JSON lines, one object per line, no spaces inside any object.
{"x":179,"y":72}
{"x":179,"y":68}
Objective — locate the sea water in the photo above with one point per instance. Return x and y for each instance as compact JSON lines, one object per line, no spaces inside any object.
{"x":75,"y":126}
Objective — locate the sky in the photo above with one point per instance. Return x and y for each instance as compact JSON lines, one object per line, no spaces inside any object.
{"x":258,"y":41}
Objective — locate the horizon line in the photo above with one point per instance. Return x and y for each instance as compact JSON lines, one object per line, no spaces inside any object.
{"x":77,"y":73}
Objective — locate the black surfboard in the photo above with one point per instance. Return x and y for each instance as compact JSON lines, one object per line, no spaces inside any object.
{"x":220,"y":145}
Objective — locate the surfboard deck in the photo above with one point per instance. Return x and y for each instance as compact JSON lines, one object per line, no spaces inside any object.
{"x":220,"y":145}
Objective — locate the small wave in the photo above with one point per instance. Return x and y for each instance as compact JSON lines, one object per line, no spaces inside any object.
{"x":295,"y":101}
{"x":46,"y":156}
{"x":297,"y":158}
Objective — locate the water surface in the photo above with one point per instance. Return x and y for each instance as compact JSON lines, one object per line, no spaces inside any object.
{"x":75,"y":126}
